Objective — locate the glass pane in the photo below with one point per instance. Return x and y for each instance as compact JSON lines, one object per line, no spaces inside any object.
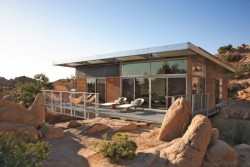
{"x":195,"y":85}
{"x":158,"y":90}
{"x":128,"y":89}
{"x":202,"y":85}
{"x":91,"y":85}
{"x":135,"y":69}
{"x":198,"y":69}
{"x":169,"y":67}
{"x":176,"y":86}
{"x":100,"y":88}
{"x":142,"y":90}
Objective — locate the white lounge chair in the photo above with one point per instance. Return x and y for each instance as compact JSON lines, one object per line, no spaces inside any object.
{"x":136,"y":103}
{"x":119,"y":101}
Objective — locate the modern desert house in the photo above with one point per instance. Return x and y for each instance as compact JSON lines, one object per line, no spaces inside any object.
{"x":157,"y":74}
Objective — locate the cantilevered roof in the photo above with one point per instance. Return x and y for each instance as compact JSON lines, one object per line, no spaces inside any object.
{"x":175,"y":50}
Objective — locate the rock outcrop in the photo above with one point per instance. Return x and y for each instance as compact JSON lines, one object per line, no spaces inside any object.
{"x":52,"y":132}
{"x":243,"y":152}
{"x":97,"y":127}
{"x":176,"y":120}
{"x":12,"y":112}
{"x":38,"y":108}
{"x":220,"y":154}
{"x":19,"y":129}
{"x":187,"y":151}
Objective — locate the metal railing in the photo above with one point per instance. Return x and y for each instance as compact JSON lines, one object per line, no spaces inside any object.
{"x":78,"y":104}
{"x":200,"y":104}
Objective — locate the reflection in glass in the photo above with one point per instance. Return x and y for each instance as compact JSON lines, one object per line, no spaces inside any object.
{"x":169,"y":67}
{"x":100,"y":88}
{"x":91,"y":85}
{"x":135,"y":69}
{"x":198,"y":69}
{"x":176,"y":86}
{"x":158,"y":93}
{"x":128,"y":89}
{"x":142,"y":90}
{"x":195,"y":85}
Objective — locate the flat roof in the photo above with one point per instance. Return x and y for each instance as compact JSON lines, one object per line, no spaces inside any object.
{"x":175,"y":50}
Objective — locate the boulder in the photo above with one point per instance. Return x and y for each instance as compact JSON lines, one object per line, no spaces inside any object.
{"x":12,"y":112}
{"x":19,"y":129}
{"x":52,"y":132}
{"x":97,"y":127}
{"x":214,"y":136}
{"x":220,"y":154}
{"x":176,"y":120}
{"x":243,"y":153}
{"x":128,"y":127}
{"x":73,"y":124}
{"x":37,"y":108}
{"x":187,"y":151}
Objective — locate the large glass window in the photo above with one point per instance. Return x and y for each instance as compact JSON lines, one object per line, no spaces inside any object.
{"x":198,"y":69}
{"x":135,"y":69}
{"x":169,"y":67}
{"x":128,"y":88}
{"x":198,"y":85}
{"x":158,"y":93}
{"x":176,"y":86}
{"x":100,"y":88}
{"x":142,"y":90}
{"x":91,"y":85}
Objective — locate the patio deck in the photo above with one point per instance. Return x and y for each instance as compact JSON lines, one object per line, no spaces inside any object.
{"x":150,"y":116}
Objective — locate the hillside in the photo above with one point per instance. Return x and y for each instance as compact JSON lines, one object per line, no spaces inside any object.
{"x":239,"y":58}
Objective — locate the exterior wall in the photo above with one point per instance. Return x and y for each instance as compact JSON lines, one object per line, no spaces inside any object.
{"x":210,"y":88}
{"x":112,"y":70}
{"x":81,"y":84}
{"x":112,"y":88}
{"x":212,"y":70}
{"x":224,"y":90}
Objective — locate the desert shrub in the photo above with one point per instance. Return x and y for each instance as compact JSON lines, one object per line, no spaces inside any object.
{"x":234,"y":87}
{"x":120,"y":147}
{"x":232,"y":131}
{"x":231,"y":56}
{"x":224,"y":49}
{"x":21,"y":150}
{"x":241,"y":68}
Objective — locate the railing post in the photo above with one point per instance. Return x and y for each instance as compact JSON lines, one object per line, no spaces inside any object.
{"x":84,"y":105}
{"x":193,"y":105}
{"x":61,"y":102}
{"x":96,"y":105}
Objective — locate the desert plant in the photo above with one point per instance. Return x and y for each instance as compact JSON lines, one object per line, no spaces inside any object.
{"x":120,"y":147}
{"x":232,"y":131}
{"x":241,"y":68}
{"x":231,"y":56}
{"x":234,"y":87}
{"x":21,"y":150}
{"x":224,"y":49}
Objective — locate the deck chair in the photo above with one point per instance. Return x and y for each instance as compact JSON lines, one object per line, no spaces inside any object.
{"x":90,"y":100}
{"x":134,"y":104}
{"x":75,"y":101}
{"x":119,"y":101}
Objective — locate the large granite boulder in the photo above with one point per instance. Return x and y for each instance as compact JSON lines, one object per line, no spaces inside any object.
{"x":19,"y":129}
{"x":38,"y":108}
{"x":12,"y":112}
{"x":220,"y":154}
{"x":176,"y":120}
{"x":187,"y":151}
{"x":243,"y":151}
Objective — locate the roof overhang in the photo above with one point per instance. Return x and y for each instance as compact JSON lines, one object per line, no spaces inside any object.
{"x":176,"y":50}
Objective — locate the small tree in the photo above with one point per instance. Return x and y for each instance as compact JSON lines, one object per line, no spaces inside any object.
{"x":224,"y":49}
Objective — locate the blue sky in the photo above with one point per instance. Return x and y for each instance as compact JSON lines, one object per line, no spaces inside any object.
{"x":33,"y":33}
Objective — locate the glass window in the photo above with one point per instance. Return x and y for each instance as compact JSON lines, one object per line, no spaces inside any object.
{"x":176,"y":86}
{"x":169,"y":67}
{"x":128,"y":89}
{"x":91,"y":85}
{"x":198,"y":69}
{"x":195,"y":85}
{"x":142,"y":90}
{"x":158,"y":93}
{"x":100,"y":88}
{"x":135,"y":69}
